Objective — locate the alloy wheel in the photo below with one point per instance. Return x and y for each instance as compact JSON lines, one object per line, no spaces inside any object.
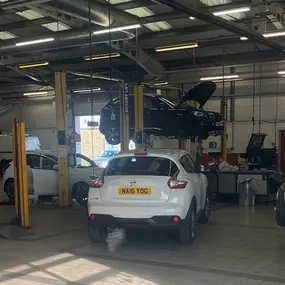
{"x":113,"y":136}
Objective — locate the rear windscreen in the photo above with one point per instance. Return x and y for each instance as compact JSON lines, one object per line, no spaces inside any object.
{"x":141,"y":165}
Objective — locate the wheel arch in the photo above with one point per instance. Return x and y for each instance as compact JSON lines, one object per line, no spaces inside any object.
{"x":8,"y":180}
{"x":74,"y":187}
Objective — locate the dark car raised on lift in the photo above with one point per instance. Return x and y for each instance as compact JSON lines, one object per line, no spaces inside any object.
{"x":163,"y":118}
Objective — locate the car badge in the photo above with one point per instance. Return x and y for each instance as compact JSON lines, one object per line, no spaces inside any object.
{"x":113,"y":116}
{"x":133,"y":183}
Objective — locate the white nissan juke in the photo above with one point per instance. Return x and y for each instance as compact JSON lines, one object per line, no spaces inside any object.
{"x":145,"y":189}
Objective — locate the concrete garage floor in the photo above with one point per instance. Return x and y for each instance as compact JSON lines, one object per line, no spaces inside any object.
{"x":238,"y":246}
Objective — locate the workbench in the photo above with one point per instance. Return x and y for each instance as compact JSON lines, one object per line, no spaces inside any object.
{"x":226,"y":182}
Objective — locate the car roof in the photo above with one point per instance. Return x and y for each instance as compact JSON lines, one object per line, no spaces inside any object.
{"x":174,"y":153}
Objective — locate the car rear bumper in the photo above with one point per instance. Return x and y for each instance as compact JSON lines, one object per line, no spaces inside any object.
{"x":106,"y":221}
{"x":140,"y":211}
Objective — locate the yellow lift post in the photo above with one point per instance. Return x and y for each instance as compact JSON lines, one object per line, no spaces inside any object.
{"x":20,"y":175}
{"x":139,"y":115}
{"x":61,"y":125}
{"x":124,"y":116}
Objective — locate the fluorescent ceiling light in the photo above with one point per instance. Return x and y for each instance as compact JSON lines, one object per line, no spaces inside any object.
{"x":7,"y":36}
{"x":56,"y":26}
{"x":274,"y":34}
{"x":176,"y":47}
{"x":268,"y":35}
{"x":192,"y":18}
{"x":118,"y":1}
{"x":233,"y":76}
{"x":30,"y":14}
{"x":159,"y":83}
{"x":36,"y":93}
{"x":106,"y":78}
{"x":87,"y":90}
{"x":39,"y":41}
{"x":232,"y":11}
{"x":102,"y":56}
{"x":117,"y":29}
{"x":34,"y":65}
{"x":95,"y":76}
{"x":281,"y":72}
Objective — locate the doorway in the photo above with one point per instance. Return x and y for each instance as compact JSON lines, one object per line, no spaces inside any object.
{"x":93,"y":144}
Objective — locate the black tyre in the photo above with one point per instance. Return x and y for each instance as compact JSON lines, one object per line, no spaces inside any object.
{"x":187,"y":230}
{"x":112,"y":136}
{"x":9,"y":189}
{"x":206,"y":212}
{"x":96,"y":234}
{"x":80,"y":193}
{"x":280,"y":208}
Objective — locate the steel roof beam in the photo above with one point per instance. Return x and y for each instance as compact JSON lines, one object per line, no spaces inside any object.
{"x":25,"y":24}
{"x":185,"y":7}
{"x":133,"y":4}
{"x":19,"y":4}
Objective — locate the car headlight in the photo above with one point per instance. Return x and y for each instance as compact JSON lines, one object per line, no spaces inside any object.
{"x":199,"y":114}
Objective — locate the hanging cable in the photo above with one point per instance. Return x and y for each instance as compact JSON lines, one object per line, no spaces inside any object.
{"x":253,"y":91}
{"x":276,"y":109}
{"x":260,"y":88}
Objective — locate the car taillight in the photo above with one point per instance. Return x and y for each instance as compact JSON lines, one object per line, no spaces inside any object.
{"x":97,"y":183}
{"x":173,"y":183}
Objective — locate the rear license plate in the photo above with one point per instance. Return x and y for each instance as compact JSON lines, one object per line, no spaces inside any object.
{"x":134,"y":191}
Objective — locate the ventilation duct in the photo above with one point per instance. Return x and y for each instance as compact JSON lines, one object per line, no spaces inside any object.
{"x":80,"y":9}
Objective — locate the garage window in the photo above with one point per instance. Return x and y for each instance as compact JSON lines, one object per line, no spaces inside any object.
{"x":48,"y":163}
{"x":34,"y":161}
{"x":135,"y":165}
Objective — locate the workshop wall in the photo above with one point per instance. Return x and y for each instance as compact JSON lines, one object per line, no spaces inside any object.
{"x":39,"y":117}
{"x":267,"y":107}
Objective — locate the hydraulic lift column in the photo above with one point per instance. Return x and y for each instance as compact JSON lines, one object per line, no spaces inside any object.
{"x":20,"y":174}
{"x":124,"y":116}
{"x":61,"y":125}
{"x":139,"y":115}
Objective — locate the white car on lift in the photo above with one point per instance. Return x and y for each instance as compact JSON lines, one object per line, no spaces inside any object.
{"x":145,"y":189}
{"x":42,"y":176}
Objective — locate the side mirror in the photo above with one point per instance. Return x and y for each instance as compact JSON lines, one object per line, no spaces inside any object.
{"x":55,"y":167}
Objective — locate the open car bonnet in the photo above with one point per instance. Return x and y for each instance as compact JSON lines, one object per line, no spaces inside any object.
{"x":201,"y":92}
